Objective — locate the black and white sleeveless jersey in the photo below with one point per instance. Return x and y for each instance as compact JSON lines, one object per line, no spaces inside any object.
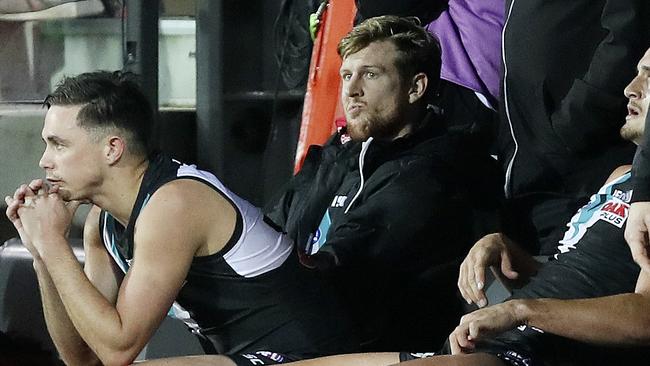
{"x":251,"y":295}
{"x":593,"y":258}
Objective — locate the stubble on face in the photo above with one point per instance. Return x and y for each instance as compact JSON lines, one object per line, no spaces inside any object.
{"x":378,"y":124}
{"x":638,"y":102}
{"x":632,"y":130}
{"x":375,"y":106}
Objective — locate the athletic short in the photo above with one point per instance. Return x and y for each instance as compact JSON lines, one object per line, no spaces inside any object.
{"x":510,"y":358}
{"x":518,"y":347}
{"x":528,"y":346}
{"x":262,"y":358}
{"x":409,"y":356}
{"x":514,"y":348}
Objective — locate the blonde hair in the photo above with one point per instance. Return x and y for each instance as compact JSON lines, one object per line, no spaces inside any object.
{"x":419,"y":51}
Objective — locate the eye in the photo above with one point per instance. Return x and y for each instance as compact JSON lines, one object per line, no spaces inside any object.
{"x":346,"y":76}
{"x":370,"y":75}
{"x":56,"y":145}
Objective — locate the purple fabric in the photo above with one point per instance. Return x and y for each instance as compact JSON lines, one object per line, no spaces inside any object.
{"x":470,"y":37}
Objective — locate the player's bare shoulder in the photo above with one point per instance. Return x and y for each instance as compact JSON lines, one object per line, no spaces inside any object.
{"x":619,"y":172}
{"x":195,"y":211}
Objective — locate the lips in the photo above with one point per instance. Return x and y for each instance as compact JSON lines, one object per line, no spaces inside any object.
{"x":633,"y":110}
{"x":354,"y":109}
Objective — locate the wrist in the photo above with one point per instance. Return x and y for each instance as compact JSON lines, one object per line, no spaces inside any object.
{"x":522,"y":310}
{"x":38,"y":264}
{"x":51,"y":245}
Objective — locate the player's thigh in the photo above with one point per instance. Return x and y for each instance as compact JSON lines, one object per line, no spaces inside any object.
{"x":474,"y":359}
{"x":357,"y":359}
{"x":201,"y":360}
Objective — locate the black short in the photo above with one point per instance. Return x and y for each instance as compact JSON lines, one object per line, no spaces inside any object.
{"x":262,"y":358}
{"x":513,"y":347}
{"x":509,"y":357}
{"x":518,"y":347}
{"x":409,"y":356}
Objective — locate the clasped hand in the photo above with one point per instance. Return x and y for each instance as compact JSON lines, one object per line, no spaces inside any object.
{"x":39,"y":213}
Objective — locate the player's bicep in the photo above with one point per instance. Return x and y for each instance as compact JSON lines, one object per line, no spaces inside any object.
{"x":99,"y":266}
{"x":162,"y":257}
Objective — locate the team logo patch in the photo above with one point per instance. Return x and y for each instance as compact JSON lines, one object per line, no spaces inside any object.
{"x":316,"y":237}
{"x":614,"y":212}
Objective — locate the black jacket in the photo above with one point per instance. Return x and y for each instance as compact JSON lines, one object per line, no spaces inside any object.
{"x":424,"y":202}
{"x":566,"y":64}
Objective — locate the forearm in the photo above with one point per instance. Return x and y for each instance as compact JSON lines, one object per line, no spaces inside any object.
{"x":95,"y":319}
{"x":71,"y":347}
{"x":614,"y":320}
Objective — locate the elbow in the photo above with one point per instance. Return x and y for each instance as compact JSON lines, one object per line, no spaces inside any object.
{"x":118,"y":358}
{"x":640,"y":334}
{"x":637,"y":322}
{"x":83,"y":357}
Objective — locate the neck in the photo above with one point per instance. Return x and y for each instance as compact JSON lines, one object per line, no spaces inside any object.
{"x":120,"y":189}
{"x":415,"y":117}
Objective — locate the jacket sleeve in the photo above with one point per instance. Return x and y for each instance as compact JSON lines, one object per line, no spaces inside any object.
{"x":298,"y":207}
{"x":591,"y":112}
{"x":279,"y":208}
{"x":405,"y":217}
{"x":641,"y":167}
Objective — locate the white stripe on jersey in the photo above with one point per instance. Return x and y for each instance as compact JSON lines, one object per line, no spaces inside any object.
{"x":589,"y":214}
{"x":265,"y":249}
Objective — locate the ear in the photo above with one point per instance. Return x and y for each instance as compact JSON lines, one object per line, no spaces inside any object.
{"x":114,"y":149}
{"x":419,"y":84}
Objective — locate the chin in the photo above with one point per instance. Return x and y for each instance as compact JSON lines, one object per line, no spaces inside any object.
{"x":358,"y":130}
{"x":66,"y":195}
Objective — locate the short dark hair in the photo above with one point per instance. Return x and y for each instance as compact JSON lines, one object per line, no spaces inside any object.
{"x":419,"y":50}
{"x":109,"y":100}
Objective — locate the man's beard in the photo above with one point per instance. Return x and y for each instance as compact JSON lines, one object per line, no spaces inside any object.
{"x":378,"y":127}
{"x":630,"y":133}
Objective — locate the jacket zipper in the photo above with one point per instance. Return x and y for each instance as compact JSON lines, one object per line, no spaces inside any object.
{"x":507,"y":189}
{"x":362,"y":156}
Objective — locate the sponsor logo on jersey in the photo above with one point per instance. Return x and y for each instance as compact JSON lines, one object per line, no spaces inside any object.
{"x":614,"y":212}
{"x":339,"y":201}
{"x":624,"y":196}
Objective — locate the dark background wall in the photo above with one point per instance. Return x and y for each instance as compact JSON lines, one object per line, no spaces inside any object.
{"x":247,"y":118}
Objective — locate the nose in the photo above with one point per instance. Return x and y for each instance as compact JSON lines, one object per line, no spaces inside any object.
{"x":352,"y":87}
{"x":45,"y":162}
{"x":635,"y":90}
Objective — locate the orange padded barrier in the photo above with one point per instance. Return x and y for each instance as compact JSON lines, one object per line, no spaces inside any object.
{"x":322,"y":104}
